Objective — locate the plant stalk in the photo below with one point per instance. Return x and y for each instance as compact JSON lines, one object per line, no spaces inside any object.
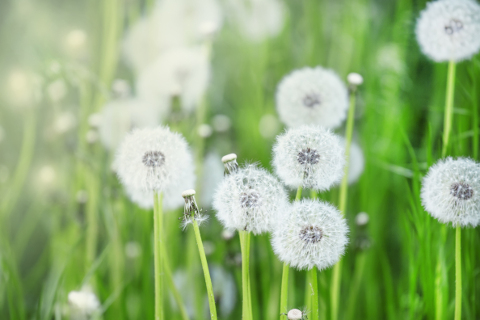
{"x":458,"y":273}
{"x":314,"y":296}
{"x":158,"y":255}
{"x":246,"y":302}
{"x":448,"y":116}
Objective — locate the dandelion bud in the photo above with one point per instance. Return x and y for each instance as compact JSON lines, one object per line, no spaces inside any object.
{"x":449,"y":30}
{"x":309,"y":156}
{"x":451,"y":192}
{"x":230,"y":163}
{"x":295,"y":314}
{"x":250,"y":199}
{"x":312,"y":96}
{"x":311,"y":233}
{"x":191,"y":211}
{"x":354,"y":79}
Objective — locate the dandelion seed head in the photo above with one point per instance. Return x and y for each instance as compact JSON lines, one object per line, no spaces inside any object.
{"x":249,"y":199}
{"x":155,"y":159}
{"x":83,"y":302}
{"x":180,"y":72}
{"x":309,"y":156}
{"x":120,"y":116}
{"x":362,"y":219}
{"x":449,"y":30}
{"x":312,"y":96}
{"x":451,"y":191}
{"x":310,"y":233}
{"x":354,"y":79}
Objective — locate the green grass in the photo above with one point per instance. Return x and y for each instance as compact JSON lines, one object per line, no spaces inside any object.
{"x":51,"y":244}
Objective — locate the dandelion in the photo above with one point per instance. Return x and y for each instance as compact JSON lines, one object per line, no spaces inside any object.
{"x":191,"y":210}
{"x":311,"y":234}
{"x":295,"y":314}
{"x":83,"y":303}
{"x":309,"y":157}
{"x":449,"y":30}
{"x":154,"y":159}
{"x":451,"y":192}
{"x":120,"y":116}
{"x":180,"y":72}
{"x":312,"y":96}
{"x":249,"y":199}
{"x":258,"y":20}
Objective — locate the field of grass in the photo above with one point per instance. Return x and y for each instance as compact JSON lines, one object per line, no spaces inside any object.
{"x":66,"y":223}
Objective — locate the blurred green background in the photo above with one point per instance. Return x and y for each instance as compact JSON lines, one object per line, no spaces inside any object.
{"x":58,"y":62}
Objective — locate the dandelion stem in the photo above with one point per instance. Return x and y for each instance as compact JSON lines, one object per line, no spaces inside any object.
{"x":314,"y":297}
{"x":158,"y":255}
{"x":284,"y":289}
{"x":246,"y":304}
{"x":208,"y":280}
{"x":448,"y":117}
{"x":335,"y":289}
{"x":458,"y":273}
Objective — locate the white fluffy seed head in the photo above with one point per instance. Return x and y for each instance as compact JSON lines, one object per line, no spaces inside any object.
{"x":120,"y":116}
{"x":311,"y":233}
{"x":155,"y":159}
{"x":295,"y":314}
{"x":180,"y":72}
{"x":449,"y":30}
{"x":354,"y":79}
{"x":312,"y":96}
{"x":309,"y":156}
{"x":83,"y":302}
{"x":451,"y":192}
{"x":250,"y":199}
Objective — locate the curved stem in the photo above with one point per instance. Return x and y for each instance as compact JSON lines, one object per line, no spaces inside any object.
{"x":208,"y":280}
{"x":335,"y":289}
{"x":448,"y":116}
{"x":158,"y":255}
{"x":458,"y":273}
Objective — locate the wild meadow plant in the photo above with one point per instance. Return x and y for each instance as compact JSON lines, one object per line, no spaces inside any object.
{"x":119,"y":116}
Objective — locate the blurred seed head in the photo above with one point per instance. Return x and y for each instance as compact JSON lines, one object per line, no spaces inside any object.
{"x":310,"y":233}
{"x":221,"y":123}
{"x":250,"y":199}
{"x":269,"y":126}
{"x":309,"y":156}
{"x":312,"y":96}
{"x":354,"y":79}
{"x":23,"y":89}
{"x":64,"y":122}
{"x":83,"y":303}
{"x":451,"y":192}
{"x":295,"y":314}
{"x":362,"y":219}
{"x":204,"y":130}
{"x":449,"y":30}
{"x":228,"y":234}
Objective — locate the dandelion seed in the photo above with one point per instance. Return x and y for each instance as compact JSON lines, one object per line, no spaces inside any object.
{"x":258,"y":20}
{"x":309,"y":156}
{"x":312,"y":96}
{"x":191,"y":211}
{"x":180,"y":72}
{"x":449,"y":30}
{"x":311,"y":233}
{"x":120,"y":116}
{"x":451,"y":192}
{"x":249,"y":199}
{"x":155,"y":160}
{"x":83,"y":303}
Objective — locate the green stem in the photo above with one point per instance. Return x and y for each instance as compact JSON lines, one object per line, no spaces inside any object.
{"x":335,"y":289}
{"x":208,"y":280}
{"x":158,"y":255}
{"x":314,"y":296}
{"x":448,"y":116}
{"x":246,"y":303}
{"x":284,"y":292}
{"x":284,"y":289}
{"x":171,"y":284}
{"x":458,"y":273}
{"x":439,"y":276}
